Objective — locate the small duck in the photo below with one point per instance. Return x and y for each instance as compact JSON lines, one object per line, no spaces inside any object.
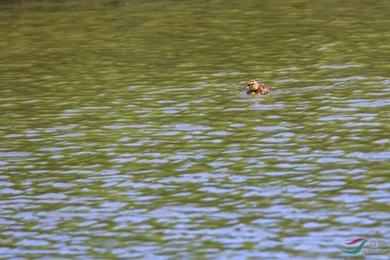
{"x":256,"y":87}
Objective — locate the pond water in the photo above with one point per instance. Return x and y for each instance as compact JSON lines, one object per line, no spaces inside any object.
{"x":125,"y":130}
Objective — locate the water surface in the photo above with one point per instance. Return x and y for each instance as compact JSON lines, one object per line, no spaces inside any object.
{"x":125,"y":131}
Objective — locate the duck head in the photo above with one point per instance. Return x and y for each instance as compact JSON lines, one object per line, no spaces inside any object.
{"x":253,"y":86}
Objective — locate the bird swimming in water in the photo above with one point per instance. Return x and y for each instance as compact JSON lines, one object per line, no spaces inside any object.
{"x":256,"y":87}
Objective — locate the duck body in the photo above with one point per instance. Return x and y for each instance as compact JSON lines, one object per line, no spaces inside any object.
{"x":256,"y":87}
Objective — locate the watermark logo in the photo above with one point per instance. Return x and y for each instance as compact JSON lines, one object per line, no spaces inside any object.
{"x":354,"y":247}
{"x":365,"y":246}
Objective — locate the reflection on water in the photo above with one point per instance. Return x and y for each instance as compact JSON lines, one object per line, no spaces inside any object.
{"x":125,"y":130}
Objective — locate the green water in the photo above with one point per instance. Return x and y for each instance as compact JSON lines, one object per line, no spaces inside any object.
{"x":125,"y":130}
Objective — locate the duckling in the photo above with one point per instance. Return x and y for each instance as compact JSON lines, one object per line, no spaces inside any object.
{"x":256,"y":87}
